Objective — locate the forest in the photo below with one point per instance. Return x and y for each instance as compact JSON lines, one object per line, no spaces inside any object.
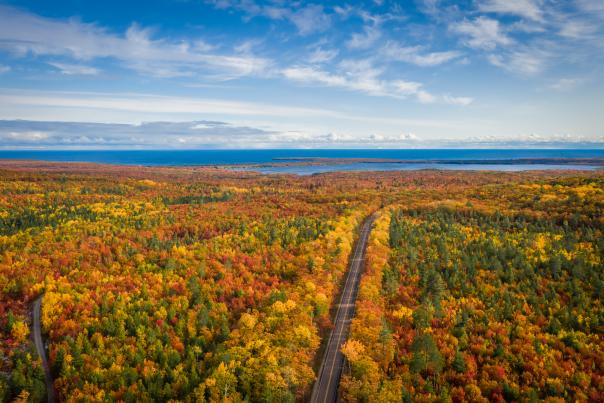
{"x":202,"y":284}
{"x":492,"y":297}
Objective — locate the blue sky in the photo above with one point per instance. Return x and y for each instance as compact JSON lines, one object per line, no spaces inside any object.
{"x":250,"y":74}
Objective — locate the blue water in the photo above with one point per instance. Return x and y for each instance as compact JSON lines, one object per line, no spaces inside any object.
{"x":359,"y":167}
{"x":224,"y":157}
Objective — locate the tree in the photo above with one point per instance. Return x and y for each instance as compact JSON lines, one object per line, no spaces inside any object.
{"x":422,"y":317}
{"x":459,"y":363}
{"x":433,"y":289}
{"x":427,"y":359}
{"x":20,"y":331}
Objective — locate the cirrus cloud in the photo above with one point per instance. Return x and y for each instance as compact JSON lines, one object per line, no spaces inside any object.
{"x":22,"y":33}
{"x":482,"y":33}
{"x":530,"y":9}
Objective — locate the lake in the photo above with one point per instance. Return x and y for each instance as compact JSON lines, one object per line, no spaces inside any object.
{"x":238,"y":157}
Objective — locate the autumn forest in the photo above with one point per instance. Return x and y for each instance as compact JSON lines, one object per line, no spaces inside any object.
{"x":205,"y":285}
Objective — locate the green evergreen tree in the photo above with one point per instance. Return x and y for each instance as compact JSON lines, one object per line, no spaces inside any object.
{"x":459,"y":363}
{"x":427,"y":359}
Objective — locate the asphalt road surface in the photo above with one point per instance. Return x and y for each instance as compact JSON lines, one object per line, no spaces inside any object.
{"x":325,"y":389}
{"x":37,"y":333}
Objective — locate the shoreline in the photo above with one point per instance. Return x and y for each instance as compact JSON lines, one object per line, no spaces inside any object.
{"x":323,"y":161}
{"x":315,"y":161}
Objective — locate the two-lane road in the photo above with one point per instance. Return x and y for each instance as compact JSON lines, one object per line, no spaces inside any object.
{"x":325,"y":389}
{"x":37,"y":334}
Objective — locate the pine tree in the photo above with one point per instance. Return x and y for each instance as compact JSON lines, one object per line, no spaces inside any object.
{"x":427,"y":359}
{"x":57,"y":365}
{"x":459,"y":363}
{"x":422,"y":317}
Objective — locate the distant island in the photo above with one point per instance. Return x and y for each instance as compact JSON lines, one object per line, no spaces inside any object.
{"x":507,"y":161}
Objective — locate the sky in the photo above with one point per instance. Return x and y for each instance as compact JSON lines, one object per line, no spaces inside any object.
{"x":301,"y":74}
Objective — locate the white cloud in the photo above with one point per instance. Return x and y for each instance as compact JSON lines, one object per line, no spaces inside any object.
{"x":434,"y":58}
{"x":22,"y":33}
{"x":408,"y":136}
{"x":136,"y":108}
{"x":344,"y":11}
{"x":48,"y":134}
{"x":566,"y":84}
{"x":425,"y":97}
{"x":461,"y":101}
{"x":415,"y":55}
{"x":151,"y":104}
{"x":27,"y":136}
{"x":247,"y":47}
{"x":430,"y":7}
{"x":75,"y":69}
{"x":4,"y":69}
{"x":591,"y":7}
{"x":320,"y":55}
{"x":15,"y":134}
{"x":482,"y":33}
{"x":310,"y":19}
{"x":311,"y":74}
{"x":529,"y":9}
{"x":529,"y":27}
{"x":535,"y":139}
{"x":358,"y":78}
{"x":362,"y":76}
{"x":577,"y":29}
{"x":365,"y":39}
{"x":382,"y":139}
{"x":332,"y":137}
{"x":204,"y":125}
{"x":527,"y":62}
{"x":407,"y":87}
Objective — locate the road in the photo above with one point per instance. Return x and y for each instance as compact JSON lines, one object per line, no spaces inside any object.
{"x":37,"y":333}
{"x":325,"y":389}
